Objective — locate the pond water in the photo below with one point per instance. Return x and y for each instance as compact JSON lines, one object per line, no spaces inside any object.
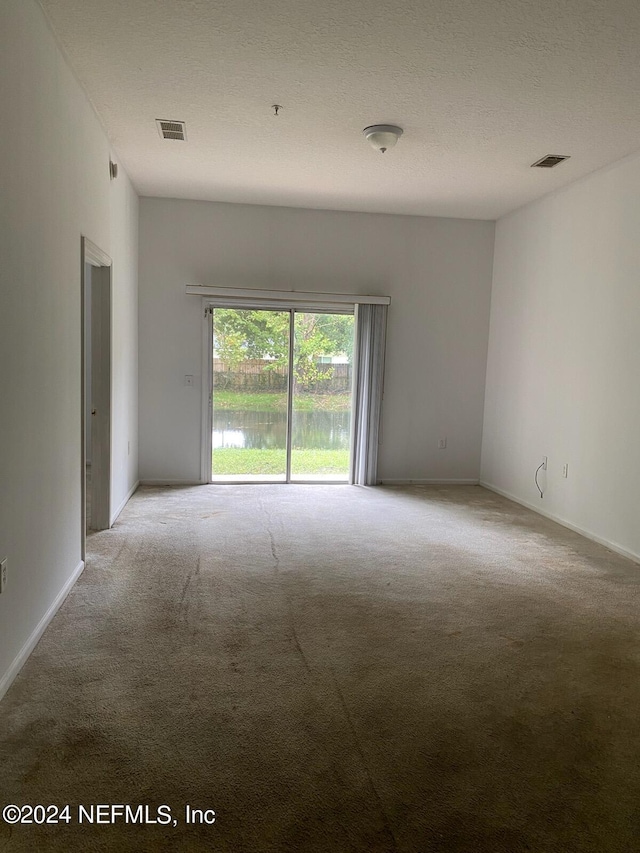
{"x":261,"y":430}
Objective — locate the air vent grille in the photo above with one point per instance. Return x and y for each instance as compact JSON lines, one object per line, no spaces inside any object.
{"x":550,"y":161}
{"x":172,"y":129}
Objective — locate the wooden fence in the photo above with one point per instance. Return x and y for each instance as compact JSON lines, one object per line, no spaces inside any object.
{"x":261,"y":375}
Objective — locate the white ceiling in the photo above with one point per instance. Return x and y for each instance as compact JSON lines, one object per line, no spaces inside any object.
{"x":482,"y":88}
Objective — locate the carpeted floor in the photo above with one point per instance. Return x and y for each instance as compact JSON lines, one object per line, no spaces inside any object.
{"x":332,"y":668}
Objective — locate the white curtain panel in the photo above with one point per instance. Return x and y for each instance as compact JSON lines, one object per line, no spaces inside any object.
{"x":371,"y":325}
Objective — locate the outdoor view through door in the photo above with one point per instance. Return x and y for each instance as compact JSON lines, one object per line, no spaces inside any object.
{"x":281,"y":395}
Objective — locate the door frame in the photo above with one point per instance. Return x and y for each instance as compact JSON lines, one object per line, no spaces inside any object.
{"x":100,"y":365}
{"x":253,"y":304}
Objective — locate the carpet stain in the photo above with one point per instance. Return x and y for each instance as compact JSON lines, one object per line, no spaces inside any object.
{"x":512,"y":640}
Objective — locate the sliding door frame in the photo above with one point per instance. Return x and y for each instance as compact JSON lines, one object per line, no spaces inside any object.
{"x":290,"y":384}
{"x":346,"y":310}
{"x":244,"y":304}
{"x":206,"y":444}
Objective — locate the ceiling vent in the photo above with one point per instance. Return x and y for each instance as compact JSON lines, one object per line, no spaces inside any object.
{"x":550,"y":161}
{"x":172,"y":129}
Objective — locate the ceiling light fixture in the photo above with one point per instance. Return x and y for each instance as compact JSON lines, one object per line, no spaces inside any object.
{"x":382,"y":136}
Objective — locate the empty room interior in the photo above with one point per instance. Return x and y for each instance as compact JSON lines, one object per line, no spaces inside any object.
{"x":319,"y":457}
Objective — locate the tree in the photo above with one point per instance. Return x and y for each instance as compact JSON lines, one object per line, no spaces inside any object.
{"x":241,"y":335}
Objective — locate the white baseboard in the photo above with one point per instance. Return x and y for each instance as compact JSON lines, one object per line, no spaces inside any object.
{"x":171,"y":483}
{"x":429,"y":482}
{"x":612,"y":546}
{"x":21,"y":658}
{"x":126,"y":500}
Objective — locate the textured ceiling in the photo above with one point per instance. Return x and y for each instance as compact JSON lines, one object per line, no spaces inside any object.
{"x":482,"y":88}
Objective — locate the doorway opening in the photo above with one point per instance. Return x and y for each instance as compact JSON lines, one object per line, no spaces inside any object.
{"x":96,"y":389}
{"x":281,"y":394}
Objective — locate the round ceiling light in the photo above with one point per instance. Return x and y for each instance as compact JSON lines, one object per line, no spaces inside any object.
{"x":382,"y":136}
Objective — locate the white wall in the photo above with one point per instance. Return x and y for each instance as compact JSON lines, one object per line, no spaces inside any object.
{"x":563,"y":375}
{"x":437,"y":272}
{"x":124,"y":355}
{"x":54,"y":187}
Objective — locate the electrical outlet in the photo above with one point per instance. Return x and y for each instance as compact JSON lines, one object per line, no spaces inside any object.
{"x":544,"y":463}
{"x":442,"y":443}
{"x":4,"y":568}
{"x":188,"y":380}
{"x":565,"y":470}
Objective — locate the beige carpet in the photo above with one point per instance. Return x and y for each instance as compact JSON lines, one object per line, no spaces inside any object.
{"x":332,"y":668}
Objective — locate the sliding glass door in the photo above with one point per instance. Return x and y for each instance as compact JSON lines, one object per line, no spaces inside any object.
{"x":322,"y":392}
{"x":250,"y":394}
{"x":281,"y":395}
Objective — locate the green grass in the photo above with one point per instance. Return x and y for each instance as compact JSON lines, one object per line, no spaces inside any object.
{"x":237,"y":460}
{"x":270,"y":401}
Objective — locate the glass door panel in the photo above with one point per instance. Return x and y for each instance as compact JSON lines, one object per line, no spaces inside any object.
{"x":250,"y":395}
{"x":321,"y":402}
